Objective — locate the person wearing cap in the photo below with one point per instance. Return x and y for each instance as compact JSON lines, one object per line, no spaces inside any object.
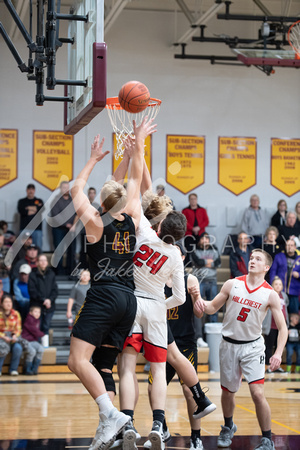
{"x":30,"y":207}
{"x":160,"y":190}
{"x":21,"y":293}
{"x":31,"y":258}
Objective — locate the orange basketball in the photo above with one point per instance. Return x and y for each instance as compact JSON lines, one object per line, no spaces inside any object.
{"x":134,"y":97}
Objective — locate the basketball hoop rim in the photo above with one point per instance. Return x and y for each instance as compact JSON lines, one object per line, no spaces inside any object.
{"x":297,"y":50}
{"x":113,"y":102}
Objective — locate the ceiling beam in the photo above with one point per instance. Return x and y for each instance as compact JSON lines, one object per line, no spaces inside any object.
{"x":114,"y":13}
{"x":262,"y":7}
{"x":200,"y":21}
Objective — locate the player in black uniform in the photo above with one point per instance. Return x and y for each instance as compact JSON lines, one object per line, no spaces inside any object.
{"x":182,"y":358}
{"x":109,"y":310}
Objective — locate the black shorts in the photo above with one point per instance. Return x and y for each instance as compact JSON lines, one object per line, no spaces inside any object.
{"x":191,"y":353}
{"x":170,"y":334}
{"x":106,"y":316}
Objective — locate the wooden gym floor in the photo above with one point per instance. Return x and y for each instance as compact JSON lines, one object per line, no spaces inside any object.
{"x":54,"y":411}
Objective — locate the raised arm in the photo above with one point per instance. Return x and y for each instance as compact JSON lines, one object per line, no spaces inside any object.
{"x":133,"y":207}
{"x":275,"y":308}
{"x":84,"y":210}
{"x":194,"y":291}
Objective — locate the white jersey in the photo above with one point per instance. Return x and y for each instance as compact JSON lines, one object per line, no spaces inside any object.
{"x":154,"y":263}
{"x":245,"y":310}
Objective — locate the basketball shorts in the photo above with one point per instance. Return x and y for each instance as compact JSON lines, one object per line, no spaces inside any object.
{"x":106,"y":316}
{"x":241,"y":359}
{"x":149,"y":330}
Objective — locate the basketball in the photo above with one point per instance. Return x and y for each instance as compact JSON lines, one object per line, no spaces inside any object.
{"x":134,"y":97}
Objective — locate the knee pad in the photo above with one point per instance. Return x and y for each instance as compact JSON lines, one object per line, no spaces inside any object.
{"x":109,"y":382}
{"x":104,"y":357}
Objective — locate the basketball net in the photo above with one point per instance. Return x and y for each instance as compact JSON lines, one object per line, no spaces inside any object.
{"x":294,"y":38}
{"x":121,"y":120}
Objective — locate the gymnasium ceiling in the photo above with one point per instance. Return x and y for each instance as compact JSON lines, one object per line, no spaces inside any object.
{"x":192,"y":14}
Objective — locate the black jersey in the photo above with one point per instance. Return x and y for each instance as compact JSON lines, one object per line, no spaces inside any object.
{"x":111,"y":258}
{"x":181,"y":320}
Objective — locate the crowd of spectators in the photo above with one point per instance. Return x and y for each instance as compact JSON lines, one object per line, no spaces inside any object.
{"x":31,"y":281}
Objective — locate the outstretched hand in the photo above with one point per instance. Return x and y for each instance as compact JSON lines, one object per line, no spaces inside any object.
{"x":144,"y":129}
{"x":96,"y":149}
{"x":129,"y":146}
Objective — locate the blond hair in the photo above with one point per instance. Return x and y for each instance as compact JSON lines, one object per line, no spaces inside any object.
{"x":156,"y":207}
{"x":113,"y":196}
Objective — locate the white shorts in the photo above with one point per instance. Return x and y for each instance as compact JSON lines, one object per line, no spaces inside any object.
{"x":241,"y":359}
{"x":150,"y":329}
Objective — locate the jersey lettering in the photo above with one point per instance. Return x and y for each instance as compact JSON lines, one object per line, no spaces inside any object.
{"x":154,"y":260}
{"x":172,"y":314}
{"x":243,"y":314}
{"x":118,"y":245}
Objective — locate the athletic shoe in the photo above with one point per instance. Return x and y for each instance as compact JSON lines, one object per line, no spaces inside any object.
{"x":14,"y":373}
{"x":225,"y":436}
{"x":265,"y":444}
{"x":280,"y":370}
{"x":166,"y":437}
{"x":201,"y":343}
{"x":118,"y":442}
{"x":197,"y":445}
{"x":156,"y":436}
{"x":130,"y":436}
{"x":204,"y":407}
{"x":108,"y":429}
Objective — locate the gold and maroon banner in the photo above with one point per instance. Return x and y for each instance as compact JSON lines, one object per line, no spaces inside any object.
{"x":8,"y":156}
{"x":52,"y":158}
{"x":237,"y":163}
{"x":147,"y":156}
{"x":185,"y":162}
{"x":285,"y":165}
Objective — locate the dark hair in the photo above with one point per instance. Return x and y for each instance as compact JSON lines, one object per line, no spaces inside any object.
{"x":92,"y":189}
{"x":30,"y":186}
{"x":3,"y":223}
{"x":173,"y":227}
{"x":4,"y":296}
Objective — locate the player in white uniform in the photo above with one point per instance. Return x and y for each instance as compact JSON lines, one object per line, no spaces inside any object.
{"x":242,"y":349}
{"x":156,"y":260}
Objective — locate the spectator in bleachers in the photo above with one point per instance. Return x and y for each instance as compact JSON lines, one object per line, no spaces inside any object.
{"x":43,"y":291}
{"x":30,"y":208}
{"x":291,"y":230}
{"x":293,"y":343}
{"x":78,"y":295}
{"x":286,"y":266}
{"x":20,"y":288}
{"x":297,"y":210}
{"x":32,"y":333}
{"x":63,"y":216}
{"x":255,"y":221}
{"x":9,"y":236}
{"x":31,"y":258}
{"x":10,"y":330}
{"x":270,"y":245}
{"x":240,"y":255}
{"x":280,"y":216}
{"x":197,"y":220}
{"x":269,"y":326}
{"x":26,"y":241}
{"x":4,"y":269}
{"x":205,"y":259}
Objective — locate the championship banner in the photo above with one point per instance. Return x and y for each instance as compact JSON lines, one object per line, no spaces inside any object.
{"x":285,"y":165}
{"x":8,"y":156}
{"x":52,"y":158}
{"x":147,"y":155}
{"x":237,"y":163}
{"x":185,"y":162}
